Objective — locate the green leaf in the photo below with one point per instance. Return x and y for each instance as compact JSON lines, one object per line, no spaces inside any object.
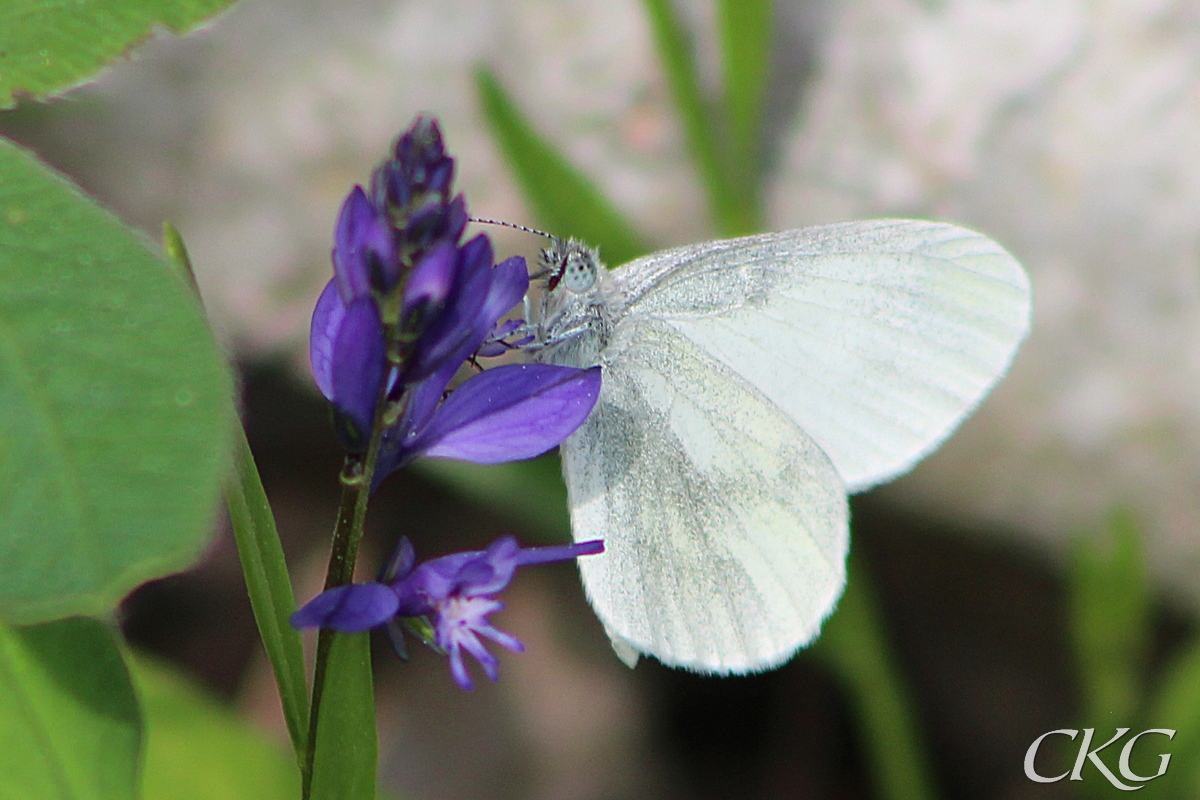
{"x":854,"y":645}
{"x":199,"y":749}
{"x":270,"y":590}
{"x":49,"y":47}
{"x":744,"y":29}
{"x":115,"y":407}
{"x":69,"y":720}
{"x":530,"y":493}
{"x":565,"y":201}
{"x":261,"y":555}
{"x":1110,"y":624}
{"x":345,"y":742}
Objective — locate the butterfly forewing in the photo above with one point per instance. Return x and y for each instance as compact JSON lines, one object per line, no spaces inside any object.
{"x":877,"y":338}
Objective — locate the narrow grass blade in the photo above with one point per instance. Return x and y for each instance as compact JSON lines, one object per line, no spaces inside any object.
{"x":854,"y":645}
{"x":564,"y":200}
{"x":263,"y":564}
{"x":744,"y":30}
{"x":1110,"y":622}
{"x":700,"y":123}
{"x":270,"y":590}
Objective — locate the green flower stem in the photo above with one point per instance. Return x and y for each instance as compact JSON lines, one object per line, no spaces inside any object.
{"x":854,"y":645}
{"x":356,"y":478}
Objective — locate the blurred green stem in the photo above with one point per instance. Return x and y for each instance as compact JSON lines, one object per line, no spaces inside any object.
{"x":854,"y":645}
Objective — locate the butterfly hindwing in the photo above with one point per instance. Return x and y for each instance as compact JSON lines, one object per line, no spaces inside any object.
{"x":725,"y":526}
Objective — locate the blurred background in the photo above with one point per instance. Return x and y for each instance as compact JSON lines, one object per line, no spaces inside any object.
{"x":1067,"y":130}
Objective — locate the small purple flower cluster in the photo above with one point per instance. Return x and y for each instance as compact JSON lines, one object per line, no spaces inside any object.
{"x":408,"y":305}
{"x":451,"y":595}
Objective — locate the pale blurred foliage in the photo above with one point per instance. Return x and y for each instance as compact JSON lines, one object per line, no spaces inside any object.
{"x":1067,"y":130}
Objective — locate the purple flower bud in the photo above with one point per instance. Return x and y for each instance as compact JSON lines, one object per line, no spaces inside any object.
{"x":457,"y":329}
{"x":423,"y":157}
{"x":349,"y":609}
{"x":363,"y":250}
{"x":431,"y":279}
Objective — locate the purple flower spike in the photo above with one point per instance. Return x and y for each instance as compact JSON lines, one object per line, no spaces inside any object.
{"x":420,"y":150}
{"x":409,"y":305}
{"x":350,"y":609}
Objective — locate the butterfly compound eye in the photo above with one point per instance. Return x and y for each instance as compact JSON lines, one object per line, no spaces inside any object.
{"x":571,"y":263}
{"x":579,"y":272}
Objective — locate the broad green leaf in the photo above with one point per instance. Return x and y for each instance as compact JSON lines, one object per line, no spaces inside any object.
{"x":565,"y":201}
{"x":49,"y":47}
{"x":744,"y":30}
{"x":198,"y":749}
{"x":530,"y":493}
{"x":853,"y":643}
{"x":1110,"y":625}
{"x":115,"y":407}
{"x":346,"y":750}
{"x":69,"y":720}
{"x":261,"y":555}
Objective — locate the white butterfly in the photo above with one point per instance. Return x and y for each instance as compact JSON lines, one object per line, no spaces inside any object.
{"x":748,"y":386}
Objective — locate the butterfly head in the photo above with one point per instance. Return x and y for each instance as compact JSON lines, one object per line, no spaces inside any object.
{"x":571,"y":263}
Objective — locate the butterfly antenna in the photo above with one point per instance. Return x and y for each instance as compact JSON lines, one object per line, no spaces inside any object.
{"x":501,"y":222}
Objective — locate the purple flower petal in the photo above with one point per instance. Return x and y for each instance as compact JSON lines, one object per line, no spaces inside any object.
{"x":358,"y":363}
{"x":431,"y":279}
{"x":326,"y":319}
{"x":349,"y":609}
{"x":459,"y":670}
{"x":363,"y":250}
{"x":558,"y":552}
{"x":510,"y":282}
{"x":454,"y":333}
{"x":401,"y":563}
{"x":502,"y":638}
{"x":511,"y":412}
{"x":420,"y":406}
